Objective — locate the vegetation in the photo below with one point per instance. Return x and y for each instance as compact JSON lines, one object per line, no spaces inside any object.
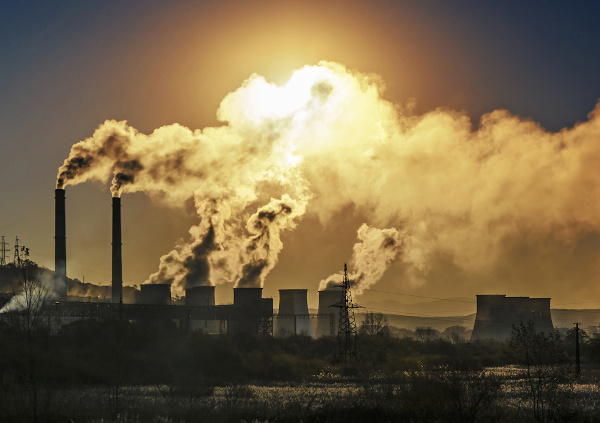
{"x":117,"y":370}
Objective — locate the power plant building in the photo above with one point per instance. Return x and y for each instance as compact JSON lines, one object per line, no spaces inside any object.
{"x":497,"y":314}
{"x":250,"y":313}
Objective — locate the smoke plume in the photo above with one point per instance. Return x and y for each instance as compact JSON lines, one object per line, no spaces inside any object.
{"x":35,"y":287}
{"x":375,"y":250}
{"x":467,"y":197}
{"x":260,"y":251}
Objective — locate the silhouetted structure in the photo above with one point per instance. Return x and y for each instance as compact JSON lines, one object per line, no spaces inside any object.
{"x":60,"y":240}
{"x":293,"y":316}
{"x":117,"y":258}
{"x":156,"y":294}
{"x":496,"y":315}
{"x":3,"y":251}
{"x":328,"y":298}
{"x":251,"y":314}
{"x":347,"y":345}
{"x":200,"y":296}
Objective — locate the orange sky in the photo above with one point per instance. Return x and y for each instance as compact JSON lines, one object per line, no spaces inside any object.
{"x":155,"y":65}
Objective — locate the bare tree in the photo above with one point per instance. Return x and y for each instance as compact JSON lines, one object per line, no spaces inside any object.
{"x":545,"y":366}
{"x":455,"y":334}
{"x":25,"y":315}
{"x":375,"y":324}
{"x":427,"y":334}
{"x":31,"y":296}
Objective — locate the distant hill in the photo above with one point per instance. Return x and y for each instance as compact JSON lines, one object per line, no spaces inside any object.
{"x":564,"y":318}
{"x":76,"y":290}
{"x":561,"y":318}
{"x":412,"y":322}
{"x":456,"y":306}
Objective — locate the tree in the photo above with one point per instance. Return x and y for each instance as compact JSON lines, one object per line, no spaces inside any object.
{"x":545,"y":365}
{"x":375,"y":324}
{"x":25,"y":317}
{"x":455,"y":334}
{"x":24,"y":311}
{"x":426,"y":334}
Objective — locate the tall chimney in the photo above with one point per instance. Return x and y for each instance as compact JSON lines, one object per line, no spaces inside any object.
{"x":60,"y":238}
{"x":117,"y":262}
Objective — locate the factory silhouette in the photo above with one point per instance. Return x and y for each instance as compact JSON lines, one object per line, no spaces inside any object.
{"x":250,"y":312}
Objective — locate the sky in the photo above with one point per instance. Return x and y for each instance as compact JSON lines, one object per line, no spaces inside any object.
{"x":463,"y":134}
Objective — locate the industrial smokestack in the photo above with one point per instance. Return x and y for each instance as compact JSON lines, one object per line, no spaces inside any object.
{"x":60,"y":239}
{"x":293,"y":317}
{"x":117,"y":262}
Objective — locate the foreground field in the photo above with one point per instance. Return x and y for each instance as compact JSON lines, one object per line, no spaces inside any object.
{"x":500,"y":394}
{"x":115,"y":370}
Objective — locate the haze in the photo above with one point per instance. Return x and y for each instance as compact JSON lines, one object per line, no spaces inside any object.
{"x":472,"y":131}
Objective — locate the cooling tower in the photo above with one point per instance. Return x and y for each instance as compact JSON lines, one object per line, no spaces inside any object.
{"x":252,"y":314}
{"x":327,"y":298}
{"x":496,"y":315}
{"x":200,"y":296}
{"x":293,"y":315}
{"x":247,"y":297}
{"x":156,"y":294}
{"x":60,"y":239}
{"x":117,"y":261}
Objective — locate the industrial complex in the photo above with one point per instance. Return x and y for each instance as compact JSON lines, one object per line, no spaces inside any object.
{"x":251,"y":313}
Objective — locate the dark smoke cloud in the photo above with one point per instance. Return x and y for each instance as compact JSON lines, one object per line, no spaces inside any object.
{"x":125,"y":174}
{"x":98,"y":157}
{"x":251,"y":273}
{"x":261,"y":249}
{"x":197,"y":265}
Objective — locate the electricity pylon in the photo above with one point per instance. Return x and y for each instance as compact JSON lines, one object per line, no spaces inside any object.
{"x":3,"y":251}
{"x":347,"y":339}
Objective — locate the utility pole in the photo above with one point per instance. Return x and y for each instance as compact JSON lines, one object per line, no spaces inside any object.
{"x":577,"y":361}
{"x":3,"y":249}
{"x":347,"y":339}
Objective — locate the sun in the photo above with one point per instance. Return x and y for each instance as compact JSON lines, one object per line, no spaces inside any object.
{"x":260,"y":100}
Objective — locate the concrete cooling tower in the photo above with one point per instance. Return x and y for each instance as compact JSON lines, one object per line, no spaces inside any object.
{"x":247,"y":297}
{"x":251,"y":314}
{"x":200,"y":296}
{"x":293,"y":317}
{"x":156,"y":294}
{"x":329,"y":316}
{"x":496,"y":315}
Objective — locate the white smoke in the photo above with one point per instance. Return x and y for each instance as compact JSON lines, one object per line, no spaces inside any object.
{"x":375,"y":250}
{"x":328,"y":139}
{"x":34,"y":288}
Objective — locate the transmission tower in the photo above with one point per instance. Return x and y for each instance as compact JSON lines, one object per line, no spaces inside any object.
{"x":17,"y":259}
{"x":21,"y":253}
{"x":347,"y":339}
{"x":3,"y":250}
